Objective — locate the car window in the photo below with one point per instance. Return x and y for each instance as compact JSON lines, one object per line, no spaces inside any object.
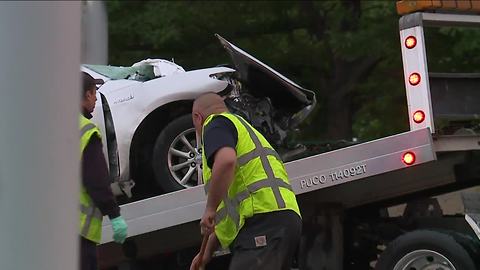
{"x":139,"y":73}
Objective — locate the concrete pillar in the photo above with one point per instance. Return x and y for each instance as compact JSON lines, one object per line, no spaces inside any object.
{"x":39,"y":152}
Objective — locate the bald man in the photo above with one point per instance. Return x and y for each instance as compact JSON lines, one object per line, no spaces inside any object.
{"x":251,"y":207}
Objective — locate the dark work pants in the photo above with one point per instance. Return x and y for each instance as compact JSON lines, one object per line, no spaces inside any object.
{"x":88,"y":254}
{"x":267,"y":241}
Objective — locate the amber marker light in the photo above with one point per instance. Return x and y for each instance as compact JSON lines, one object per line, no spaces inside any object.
{"x":408,"y":158}
{"x":410,"y":42}
{"x":414,"y":78}
{"x":418,"y":117}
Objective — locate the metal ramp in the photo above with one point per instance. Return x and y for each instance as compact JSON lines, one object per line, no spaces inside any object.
{"x":308,"y":175}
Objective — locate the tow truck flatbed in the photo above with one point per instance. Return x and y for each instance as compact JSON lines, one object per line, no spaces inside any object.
{"x":307,"y":175}
{"x":376,"y":166}
{"x":168,"y":221}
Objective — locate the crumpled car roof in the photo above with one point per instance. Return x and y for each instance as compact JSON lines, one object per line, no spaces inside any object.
{"x":144,"y":70}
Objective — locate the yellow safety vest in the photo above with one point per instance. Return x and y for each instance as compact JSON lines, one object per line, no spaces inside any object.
{"x":90,"y":216}
{"x":260,"y":183}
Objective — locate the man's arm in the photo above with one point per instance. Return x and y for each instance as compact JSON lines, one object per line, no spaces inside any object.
{"x":220,"y":139}
{"x":222,"y":176}
{"x":95,"y":178}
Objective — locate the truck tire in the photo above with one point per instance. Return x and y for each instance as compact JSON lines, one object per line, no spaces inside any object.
{"x":174,"y":155}
{"x":425,"y":248}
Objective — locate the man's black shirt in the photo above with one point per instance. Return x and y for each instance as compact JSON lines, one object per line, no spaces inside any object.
{"x":219,"y":133}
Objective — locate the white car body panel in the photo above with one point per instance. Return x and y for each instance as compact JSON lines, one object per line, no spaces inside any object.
{"x":131,"y":101}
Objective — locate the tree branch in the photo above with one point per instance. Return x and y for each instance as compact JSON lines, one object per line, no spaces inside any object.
{"x":315,"y":21}
{"x":361,"y":68}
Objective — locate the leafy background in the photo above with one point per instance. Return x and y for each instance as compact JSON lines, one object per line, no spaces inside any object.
{"x":348,"y":52}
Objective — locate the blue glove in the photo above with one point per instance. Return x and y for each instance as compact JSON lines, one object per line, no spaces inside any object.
{"x":119,"y":227}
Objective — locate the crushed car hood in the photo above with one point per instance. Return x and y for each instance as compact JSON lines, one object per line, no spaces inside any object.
{"x":266,"y":82}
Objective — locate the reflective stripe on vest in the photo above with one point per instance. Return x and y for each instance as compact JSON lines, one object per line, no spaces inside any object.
{"x":231,"y":205}
{"x":86,"y":128}
{"x":90,"y":212}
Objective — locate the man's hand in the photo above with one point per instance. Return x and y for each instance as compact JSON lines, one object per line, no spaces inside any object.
{"x":207,"y":223}
{"x":199,"y":262}
{"x":119,"y":227}
{"x":196,"y":263}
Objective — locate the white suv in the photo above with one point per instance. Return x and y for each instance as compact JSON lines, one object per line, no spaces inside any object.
{"x":144,"y":111}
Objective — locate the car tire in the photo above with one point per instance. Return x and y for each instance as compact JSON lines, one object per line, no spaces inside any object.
{"x":167,"y":166}
{"x":422,"y":248}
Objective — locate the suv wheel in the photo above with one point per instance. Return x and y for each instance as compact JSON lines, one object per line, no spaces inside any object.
{"x":175,"y":157}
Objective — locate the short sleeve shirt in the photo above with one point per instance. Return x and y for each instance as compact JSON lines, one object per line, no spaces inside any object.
{"x":219,"y":133}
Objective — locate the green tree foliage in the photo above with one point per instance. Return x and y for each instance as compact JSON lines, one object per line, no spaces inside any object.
{"x":348,"y":52}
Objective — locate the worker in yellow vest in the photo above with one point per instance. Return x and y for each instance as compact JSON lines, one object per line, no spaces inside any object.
{"x":251,"y":207}
{"x":96,"y":197}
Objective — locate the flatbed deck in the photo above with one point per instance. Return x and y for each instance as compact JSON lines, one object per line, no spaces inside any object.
{"x":360,"y":171}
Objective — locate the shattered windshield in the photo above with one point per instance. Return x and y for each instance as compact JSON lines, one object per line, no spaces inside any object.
{"x":144,"y":70}
{"x":139,"y":73}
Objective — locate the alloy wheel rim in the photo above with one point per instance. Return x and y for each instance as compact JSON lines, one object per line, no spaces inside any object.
{"x":184,"y":158}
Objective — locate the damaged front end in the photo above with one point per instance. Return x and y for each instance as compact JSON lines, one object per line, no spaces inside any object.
{"x":272,"y":103}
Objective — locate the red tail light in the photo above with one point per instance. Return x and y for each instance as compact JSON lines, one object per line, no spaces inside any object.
{"x":418,"y":117}
{"x":414,"y":78}
{"x":410,"y":42}
{"x":408,"y":158}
